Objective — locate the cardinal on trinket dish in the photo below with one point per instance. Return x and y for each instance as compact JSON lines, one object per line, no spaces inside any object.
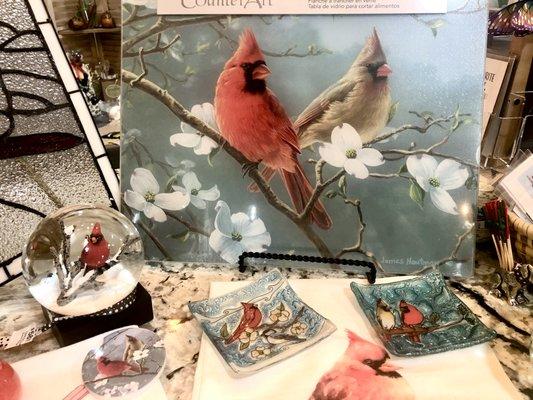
{"x":420,"y":316}
{"x":260,"y":324}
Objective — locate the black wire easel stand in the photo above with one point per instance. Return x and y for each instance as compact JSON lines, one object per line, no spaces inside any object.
{"x":370,"y":275}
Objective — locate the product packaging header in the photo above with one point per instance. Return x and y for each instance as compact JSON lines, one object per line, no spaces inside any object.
{"x":301,"y":7}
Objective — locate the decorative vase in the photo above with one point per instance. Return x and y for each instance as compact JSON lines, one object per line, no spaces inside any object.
{"x":77,"y":24}
{"x":107,"y":21}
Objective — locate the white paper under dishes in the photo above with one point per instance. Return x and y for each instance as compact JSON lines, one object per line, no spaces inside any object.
{"x":472,"y":373}
{"x":53,"y":375}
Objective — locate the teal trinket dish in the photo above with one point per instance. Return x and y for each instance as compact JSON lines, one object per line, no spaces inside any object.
{"x":420,"y":316}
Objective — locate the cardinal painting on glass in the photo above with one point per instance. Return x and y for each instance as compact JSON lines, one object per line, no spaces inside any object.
{"x":315,"y":135}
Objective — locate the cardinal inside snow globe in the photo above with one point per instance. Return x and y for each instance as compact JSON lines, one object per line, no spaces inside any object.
{"x":82,"y":259}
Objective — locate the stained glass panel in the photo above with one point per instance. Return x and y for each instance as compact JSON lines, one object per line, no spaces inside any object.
{"x":51,"y":154}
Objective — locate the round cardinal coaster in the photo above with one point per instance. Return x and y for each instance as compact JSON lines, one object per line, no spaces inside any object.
{"x":127,"y":361}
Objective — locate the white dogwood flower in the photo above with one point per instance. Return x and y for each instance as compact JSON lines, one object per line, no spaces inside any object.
{"x":101,"y":383}
{"x":189,"y":137}
{"x":130,"y":387}
{"x":298,"y":328}
{"x":193,"y":188}
{"x":346,"y":151}
{"x":181,"y":166}
{"x":140,"y":354}
{"x":131,"y":136}
{"x":437,"y":178}
{"x":279,"y":315}
{"x":145,"y":196}
{"x":237,"y":233}
{"x":248,"y":336}
{"x":260,"y":352}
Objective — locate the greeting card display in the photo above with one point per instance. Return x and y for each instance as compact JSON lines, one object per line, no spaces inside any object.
{"x":327,"y":135}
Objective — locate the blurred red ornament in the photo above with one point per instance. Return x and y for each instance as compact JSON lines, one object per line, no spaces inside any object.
{"x":10,"y":388}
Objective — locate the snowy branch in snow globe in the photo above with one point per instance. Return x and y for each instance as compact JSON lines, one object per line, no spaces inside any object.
{"x":82,"y":259}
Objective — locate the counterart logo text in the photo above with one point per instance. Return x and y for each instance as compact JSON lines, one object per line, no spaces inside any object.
{"x":226,"y":3}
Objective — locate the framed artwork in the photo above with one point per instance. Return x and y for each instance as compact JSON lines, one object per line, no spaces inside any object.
{"x":51,"y":154}
{"x":327,"y":135}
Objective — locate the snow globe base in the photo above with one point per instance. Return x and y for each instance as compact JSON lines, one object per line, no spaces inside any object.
{"x":73,"y":330}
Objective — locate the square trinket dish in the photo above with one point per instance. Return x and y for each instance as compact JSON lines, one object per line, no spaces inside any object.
{"x":260,"y":324}
{"x":420,"y":316}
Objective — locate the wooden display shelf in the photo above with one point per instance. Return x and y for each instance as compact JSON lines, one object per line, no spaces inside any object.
{"x":67,"y":32}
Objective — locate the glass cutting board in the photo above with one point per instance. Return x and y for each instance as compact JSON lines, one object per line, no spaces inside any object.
{"x":372,"y":123}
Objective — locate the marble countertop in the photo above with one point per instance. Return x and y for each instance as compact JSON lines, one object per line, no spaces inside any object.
{"x":173,"y":285}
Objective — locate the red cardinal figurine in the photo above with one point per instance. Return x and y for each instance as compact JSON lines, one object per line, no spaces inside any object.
{"x":96,"y":252}
{"x":411,"y":317}
{"x":363,"y":372}
{"x":251,"y":318}
{"x":10,"y":388}
{"x":253,"y":121}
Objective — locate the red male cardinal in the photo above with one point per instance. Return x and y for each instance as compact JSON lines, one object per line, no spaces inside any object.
{"x":96,"y":252}
{"x":108,"y":368}
{"x":253,"y":121}
{"x":251,"y":318}
{"x":411,"y":316}
{"x":360,"y":98}
{"x":362,"y":373}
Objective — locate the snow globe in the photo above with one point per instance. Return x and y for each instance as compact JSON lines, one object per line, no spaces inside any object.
{"x":82,"y":259}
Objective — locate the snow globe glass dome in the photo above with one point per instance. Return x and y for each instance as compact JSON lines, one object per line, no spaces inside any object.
{"x":82,"y":259}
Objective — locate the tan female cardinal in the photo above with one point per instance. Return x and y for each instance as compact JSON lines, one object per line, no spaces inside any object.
{"x":360,"y":98}
{"x":253,"y":121}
